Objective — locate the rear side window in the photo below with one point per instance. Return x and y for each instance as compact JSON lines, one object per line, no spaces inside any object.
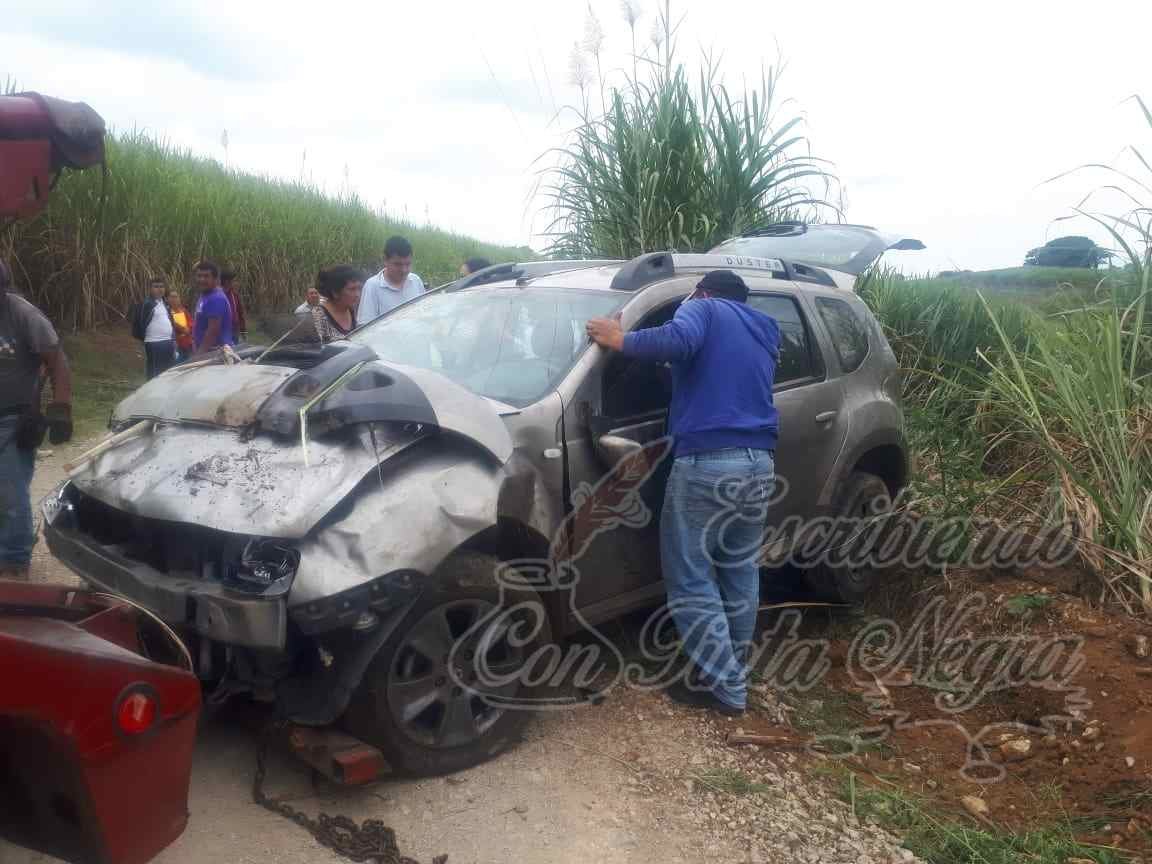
{"x":849,"y":337}
{"x":795,"y":361}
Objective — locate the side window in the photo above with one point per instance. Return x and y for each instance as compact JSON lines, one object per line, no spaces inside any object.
{"x":848,"y":334}
{"x":796,"y":361}
{"x":632,"y":387}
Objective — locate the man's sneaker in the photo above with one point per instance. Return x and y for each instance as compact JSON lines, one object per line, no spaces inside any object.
{"x":680,"y":692}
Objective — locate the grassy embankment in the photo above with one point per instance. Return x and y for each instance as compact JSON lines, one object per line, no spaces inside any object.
{"x":1029,"y":398}
{"x":164,"y":208}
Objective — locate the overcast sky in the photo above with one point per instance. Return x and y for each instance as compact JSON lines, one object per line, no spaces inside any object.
{"x":943,"y":124}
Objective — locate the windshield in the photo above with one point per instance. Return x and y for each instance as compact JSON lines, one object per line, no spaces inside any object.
{"x":509,"y":344}
{"x":838,"y":247}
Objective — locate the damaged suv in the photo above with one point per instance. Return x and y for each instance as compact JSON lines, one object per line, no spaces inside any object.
{"x":325,"y":522}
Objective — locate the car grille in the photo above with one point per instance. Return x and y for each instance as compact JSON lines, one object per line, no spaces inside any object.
{"x":172,"y":548}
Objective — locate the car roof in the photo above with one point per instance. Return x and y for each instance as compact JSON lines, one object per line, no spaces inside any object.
{"x":600,"y":279}
{"x":642,"y":272}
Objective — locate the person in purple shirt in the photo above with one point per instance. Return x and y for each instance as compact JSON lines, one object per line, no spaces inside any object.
{"x":213,"y":326}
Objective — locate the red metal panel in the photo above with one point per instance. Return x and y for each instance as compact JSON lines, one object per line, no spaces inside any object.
{"x":64,"y":679}
{"x":25,"y":176}
{"x":22,"y":117}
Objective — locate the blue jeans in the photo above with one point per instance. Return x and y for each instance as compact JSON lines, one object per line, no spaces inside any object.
{"x":711,"y":530}
{"x":16,"y":465}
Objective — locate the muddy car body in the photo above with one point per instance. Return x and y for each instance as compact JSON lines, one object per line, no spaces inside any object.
{"x":327,"y":522}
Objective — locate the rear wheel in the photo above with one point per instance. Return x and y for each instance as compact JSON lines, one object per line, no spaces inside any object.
{"x":862,"y":496}
{"x":428,"y":700}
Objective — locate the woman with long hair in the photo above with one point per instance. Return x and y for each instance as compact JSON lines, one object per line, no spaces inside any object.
{"x":335,"y":314}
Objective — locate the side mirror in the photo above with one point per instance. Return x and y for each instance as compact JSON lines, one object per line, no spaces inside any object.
{"x":612,"y":448}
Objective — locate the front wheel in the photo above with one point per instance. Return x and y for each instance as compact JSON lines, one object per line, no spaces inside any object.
{"x":439,"y":696}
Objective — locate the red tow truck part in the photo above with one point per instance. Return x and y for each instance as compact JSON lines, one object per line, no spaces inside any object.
{"x":98,"y":716}
{"x":39,"y":137}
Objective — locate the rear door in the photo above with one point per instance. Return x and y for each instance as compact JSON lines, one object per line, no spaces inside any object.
{"x":810,"y":401}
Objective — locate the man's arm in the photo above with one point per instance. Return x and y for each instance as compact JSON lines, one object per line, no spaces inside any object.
{"x":59,"y":373}
{"x":367,"y":310}
{"x":59,"y":412}
{"x":675,"y":341}
{"x":211,"y":336}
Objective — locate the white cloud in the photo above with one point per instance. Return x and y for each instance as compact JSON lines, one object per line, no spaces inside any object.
{"x":941,"y":121}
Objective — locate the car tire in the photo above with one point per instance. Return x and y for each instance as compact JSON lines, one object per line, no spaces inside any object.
{"x":456,"y":729}
{"x":861,"y":495}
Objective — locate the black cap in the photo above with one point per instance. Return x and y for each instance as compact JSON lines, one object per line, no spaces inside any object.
{"x":725,"y":284}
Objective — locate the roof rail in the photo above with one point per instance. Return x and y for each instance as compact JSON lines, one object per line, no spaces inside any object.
{"x":644,"y":270}
{"x":524,"y":271}
{"x":653,"y":266}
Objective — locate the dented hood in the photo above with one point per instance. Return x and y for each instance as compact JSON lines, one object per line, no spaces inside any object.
{"x":211,"y":393}
{"x":219,"y":478}
{"x":226,"y":452}
{"x":361,"y":389}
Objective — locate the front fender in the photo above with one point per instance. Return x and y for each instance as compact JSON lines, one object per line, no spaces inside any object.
{"x":410,"y":517}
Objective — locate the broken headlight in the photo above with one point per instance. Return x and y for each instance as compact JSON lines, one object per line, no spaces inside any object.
{"x":265,"y":565}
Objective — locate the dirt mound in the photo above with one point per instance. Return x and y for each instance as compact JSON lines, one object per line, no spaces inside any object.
{"x":1061,"y":734}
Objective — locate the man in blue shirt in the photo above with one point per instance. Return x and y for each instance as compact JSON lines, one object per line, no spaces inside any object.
{"x":724,"y":424}
{"x":213,"y":325}
{"x":393,"y":285}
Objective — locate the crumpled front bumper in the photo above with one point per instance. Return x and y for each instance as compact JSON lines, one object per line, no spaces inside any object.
{"x":206,"y":607}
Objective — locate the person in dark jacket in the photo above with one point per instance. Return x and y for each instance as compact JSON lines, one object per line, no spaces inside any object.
{"x":153,"y":326}
{"x":724,"y":426}
{"x":239,"y":321}
{"x":474,"y":265}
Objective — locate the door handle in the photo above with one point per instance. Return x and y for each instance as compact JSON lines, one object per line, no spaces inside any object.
{"x":825,"y":416}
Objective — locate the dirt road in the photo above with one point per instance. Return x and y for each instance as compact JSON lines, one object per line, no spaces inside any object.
{"x":630,"y":781}
{"x":618,"y":783}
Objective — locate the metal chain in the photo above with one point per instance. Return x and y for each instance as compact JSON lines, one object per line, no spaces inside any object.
{"x":371,"y":840}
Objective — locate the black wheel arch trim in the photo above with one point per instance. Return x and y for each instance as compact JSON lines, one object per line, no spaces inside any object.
{"x":851,"y":460}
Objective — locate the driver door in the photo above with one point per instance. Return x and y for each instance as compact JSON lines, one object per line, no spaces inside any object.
{"x":619,"y":564}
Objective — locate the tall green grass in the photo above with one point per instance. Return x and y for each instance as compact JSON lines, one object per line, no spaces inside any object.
{"x":1052,"y":407}
{"x":1081,"y":398}
{"x":1057,"y":393}
{"x":676,"y":164}
{"x":88,"y":256}
{"x":938,"y":328}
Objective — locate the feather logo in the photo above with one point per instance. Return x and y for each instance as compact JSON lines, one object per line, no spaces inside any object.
{"x":612,"y":502}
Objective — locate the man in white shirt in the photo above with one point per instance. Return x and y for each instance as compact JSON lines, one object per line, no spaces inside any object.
{"x":311,"y":298}
{"x":393,"y":285}
{"x":155,"y":325}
